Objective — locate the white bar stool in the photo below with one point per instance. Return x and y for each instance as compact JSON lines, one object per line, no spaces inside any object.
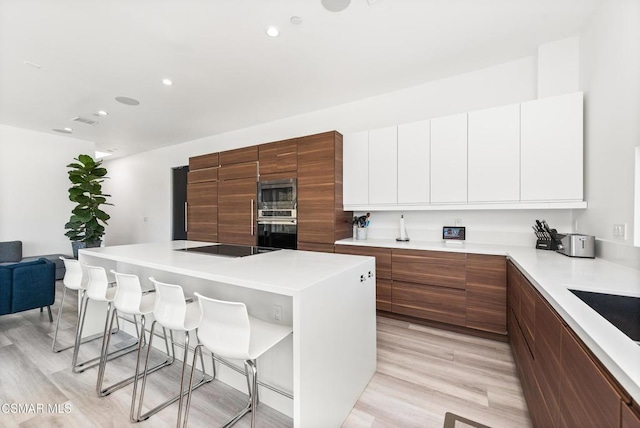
{"x":130,"y":300}
{"x":228,"y":331}
{"x":72,"y":281}
{"x":173,"y":312}
{"x":97,"y":289}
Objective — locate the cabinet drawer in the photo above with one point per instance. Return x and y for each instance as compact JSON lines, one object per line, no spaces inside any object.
{"x":240,"y":170}
{"x":433,"y":303}
{"x":429,"y":267}
{"x":313,"y":246}
{"x":382,"y":255}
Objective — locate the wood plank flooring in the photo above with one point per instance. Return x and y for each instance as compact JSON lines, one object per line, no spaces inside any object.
{"x":422,"y":374}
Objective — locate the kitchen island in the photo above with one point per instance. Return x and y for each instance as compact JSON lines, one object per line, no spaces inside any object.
{"x":328,"y":299}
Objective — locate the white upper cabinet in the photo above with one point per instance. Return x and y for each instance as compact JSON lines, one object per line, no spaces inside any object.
{"x":383,"y":166}
{"x":449,"y":159}
{"x":413,"y":162}
{"x":494,"y":155}
{"x":552,"y":149}
{"x":355,"y":151}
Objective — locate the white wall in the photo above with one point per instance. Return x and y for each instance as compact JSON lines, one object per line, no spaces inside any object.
{"x":141,"y":184}
{"x":34,"y":203}
{"x":610,"y":79}
{"x":559,"y":67}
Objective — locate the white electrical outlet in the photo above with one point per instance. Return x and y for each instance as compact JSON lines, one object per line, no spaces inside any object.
{"x":277,"y":313}
{"x":620,"y":231}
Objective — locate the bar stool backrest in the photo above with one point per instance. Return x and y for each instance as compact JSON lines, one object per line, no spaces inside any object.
{"x":170,"y":309}
{"x":224,"y":329}
{"x":98,"y":283}
{"x":129,"y":294}
{"x":73,"y":274}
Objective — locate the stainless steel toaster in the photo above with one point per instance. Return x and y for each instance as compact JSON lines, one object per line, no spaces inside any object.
{"x":577,"y":245}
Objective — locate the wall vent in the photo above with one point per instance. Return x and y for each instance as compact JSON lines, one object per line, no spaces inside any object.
{"x":84,"y":120}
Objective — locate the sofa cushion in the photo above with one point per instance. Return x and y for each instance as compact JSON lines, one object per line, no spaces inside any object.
{"x":5,"y":290}
{"x":10,"y":251}
{"x":34,"y":285}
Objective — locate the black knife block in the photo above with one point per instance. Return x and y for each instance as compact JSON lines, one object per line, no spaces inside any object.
{"x":547,"y":244}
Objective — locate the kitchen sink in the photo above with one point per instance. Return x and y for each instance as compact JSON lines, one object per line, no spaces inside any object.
{"x":621,"y":311}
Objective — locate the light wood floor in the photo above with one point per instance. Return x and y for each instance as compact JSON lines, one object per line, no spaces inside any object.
{"x":422,"y":374}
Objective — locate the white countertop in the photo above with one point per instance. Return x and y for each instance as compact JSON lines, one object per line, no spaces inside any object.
{"x":285,"y":272}
{"x":553,"y":275}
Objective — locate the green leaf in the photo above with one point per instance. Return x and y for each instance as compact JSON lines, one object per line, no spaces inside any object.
{"x":86,"y":160}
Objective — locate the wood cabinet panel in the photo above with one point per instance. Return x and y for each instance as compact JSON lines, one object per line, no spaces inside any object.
{"x":487,"y":293}
{"x":202,"y":211}
{"x":548,"y":344}
{"x":436,"y":268}
{"x":321,"y":219}
{"x":239,"y":170}
{"x":202,"y":175}
{"x":383,"y":294}
{"x":527,"y":317}
{"x":209,"y":160}
{"x":630,"y":419}
{"x":245,"y":154}
{"x":311,"y":246}
{"x":441,"y":304}
{"x":587,"y":398}
{"x":382,"y":255}
{"x":278,"y":157}
{"x":236,"y":220}
{"x":513,"y":288}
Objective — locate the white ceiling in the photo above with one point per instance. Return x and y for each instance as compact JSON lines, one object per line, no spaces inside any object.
{"x":228,"y":74}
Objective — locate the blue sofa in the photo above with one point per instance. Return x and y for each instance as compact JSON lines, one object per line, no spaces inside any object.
{"x":28,"y":285}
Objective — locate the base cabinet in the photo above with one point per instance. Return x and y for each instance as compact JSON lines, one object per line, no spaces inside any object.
{"x":563,"y":382}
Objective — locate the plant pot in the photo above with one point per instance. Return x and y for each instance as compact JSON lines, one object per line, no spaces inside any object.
{"x":76,"y":245}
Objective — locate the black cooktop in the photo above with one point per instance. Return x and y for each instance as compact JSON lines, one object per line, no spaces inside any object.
{"x":229,"y":250}
{"x":621,"y":311}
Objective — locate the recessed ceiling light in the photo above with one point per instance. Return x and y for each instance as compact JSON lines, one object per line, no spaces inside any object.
{"x":102,"y":113}
{"x":68,"y":129}
{"x":273,"y":31}
{"x":33,"y":64}
{"x":128,"y":101}
{"x":63,"y":131}
{"x":167,"y":82}
{"x":335,"y":5}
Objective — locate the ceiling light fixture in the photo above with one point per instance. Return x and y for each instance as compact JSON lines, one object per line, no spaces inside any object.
{"x":128,"y":101}
{"x":102,"y":113}
{"x":273,"y":31}
{"x":63,"y":131}
{"x":335,"y":5}
{"x":167,"y":82}
{"x":68,"y":129}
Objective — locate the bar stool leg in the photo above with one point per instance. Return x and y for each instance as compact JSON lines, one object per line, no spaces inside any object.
{"x":55,"y":332}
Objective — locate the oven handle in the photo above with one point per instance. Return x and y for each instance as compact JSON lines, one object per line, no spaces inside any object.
{"x":251,"y":217}
{"x":271,"y":221}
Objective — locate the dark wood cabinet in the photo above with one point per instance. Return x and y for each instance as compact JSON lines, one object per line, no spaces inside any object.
{"x":245,"y":154}
{"x":487,"y":293}
{"x":429,"y":302}
{"x":587,"y":398}
{"x":630,"y":417}
{"x":321,"y":219}
{"x":202,"y":198}
{"x":237,"y":211}
{"x":383,"y":271}
{"x":313,"y":246}
{"x":277,"y":158}
{"x":435,"y":268}
{"x":564,"y":383}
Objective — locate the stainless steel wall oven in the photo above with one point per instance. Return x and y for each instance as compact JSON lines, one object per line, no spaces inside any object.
{"x":277,"y":214}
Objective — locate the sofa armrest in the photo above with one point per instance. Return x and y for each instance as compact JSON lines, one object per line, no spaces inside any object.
{"x":33,"y":285}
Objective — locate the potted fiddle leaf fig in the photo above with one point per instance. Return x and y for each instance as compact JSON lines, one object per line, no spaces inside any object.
{"x":86,"y":225}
